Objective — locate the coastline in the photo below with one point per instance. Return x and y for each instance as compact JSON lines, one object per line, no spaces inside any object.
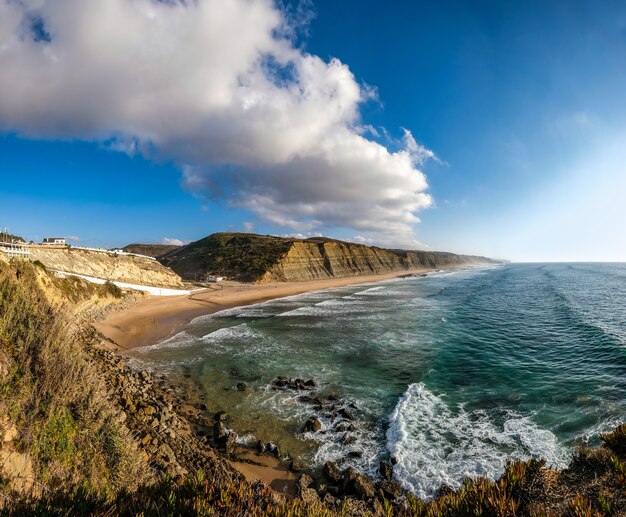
{"x":155,"y":319}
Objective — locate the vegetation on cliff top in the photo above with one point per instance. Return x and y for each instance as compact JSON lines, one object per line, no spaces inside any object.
{"x":244,"y":256}
{"x":150,"y":250}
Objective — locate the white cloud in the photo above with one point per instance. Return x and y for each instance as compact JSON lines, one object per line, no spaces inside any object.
{"x":172,"y":242}
{"x":250,"y":118}
{"x":72,"y":238}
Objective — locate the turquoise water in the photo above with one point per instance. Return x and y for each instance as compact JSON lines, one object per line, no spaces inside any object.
{"x":453,"y":374}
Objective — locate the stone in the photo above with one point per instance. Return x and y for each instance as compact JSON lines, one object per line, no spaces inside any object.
{"x":295,"y":466}
{"x":261,"y":447}
{"x":231,"y":442}
{"x":310,"y":383}
{"x":332,"y":472}
{"x":356,"y":454}
{"x":386,"y":470}
{"x":345,"y":414}
{"x":305,"y":481}
{"x":363,"y":487}
{"x":390,"y":489}
{"x":333,"y":490}
{"x":242,"y":386}
{"x":203,"y":407}
{"x":313,"y":424}
{"x":309,"y":496}
{"x":220,"y":416}
{"x":219,"y":432}
{"x":329,"y":500}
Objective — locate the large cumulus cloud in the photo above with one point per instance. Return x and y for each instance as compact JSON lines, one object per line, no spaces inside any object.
{"x":218,"y":87}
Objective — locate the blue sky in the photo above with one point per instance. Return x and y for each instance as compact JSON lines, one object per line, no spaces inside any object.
{"x":522,"y":104}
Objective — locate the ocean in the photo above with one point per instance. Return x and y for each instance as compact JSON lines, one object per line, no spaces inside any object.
{"x":452,"y":374}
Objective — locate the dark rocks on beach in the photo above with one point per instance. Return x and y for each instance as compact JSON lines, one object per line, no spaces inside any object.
{"x":305,"y":481}
{"x":219,"y":432}
{"x":345,"y":414}
{"x":332,"y":490}
{"x":390,"y":489}
{"x":358,"y":484}
{"x":243,"y":387}
{"x":305,"y":398}
{"x":333,"y":396}
{"x":313,"y":424}
{"x":349,"y":440}
{"x":386,"y":470}
{"x":220,"y":416}
{"x":283,"y":382}
{"x":296,"y":466}
{"x":261,"y":447}
{"x":332,"y":473}
{"x":231,"y":442}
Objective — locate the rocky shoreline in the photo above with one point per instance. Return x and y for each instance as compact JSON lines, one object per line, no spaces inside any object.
{"x":178,"y":438}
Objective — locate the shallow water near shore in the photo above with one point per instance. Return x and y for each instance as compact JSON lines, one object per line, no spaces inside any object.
{"x":453,"y":374}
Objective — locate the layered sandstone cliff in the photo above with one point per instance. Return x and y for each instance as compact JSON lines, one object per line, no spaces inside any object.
{"x":108,"y":266}
{"x":274,"y":259}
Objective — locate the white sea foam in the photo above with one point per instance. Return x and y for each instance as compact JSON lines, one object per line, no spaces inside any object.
{"x":435,"y":445}
{"x":180,"y":340}
{"x":371,"y":291}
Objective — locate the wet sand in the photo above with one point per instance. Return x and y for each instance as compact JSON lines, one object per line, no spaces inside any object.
{"x":157,"y":318}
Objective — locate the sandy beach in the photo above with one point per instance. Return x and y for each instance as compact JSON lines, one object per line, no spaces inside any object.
{"x":156,"y":318}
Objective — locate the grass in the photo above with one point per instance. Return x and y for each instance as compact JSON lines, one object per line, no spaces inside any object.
{"x":53,"y":396}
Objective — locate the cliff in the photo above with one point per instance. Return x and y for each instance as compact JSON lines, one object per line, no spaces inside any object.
{"x":262,"y":259}
{"x":108,"y":266}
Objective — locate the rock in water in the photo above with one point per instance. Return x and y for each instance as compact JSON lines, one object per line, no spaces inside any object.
{"x":313,"y":424}
{"x":386,"y":471}
{"x":331,"y":472}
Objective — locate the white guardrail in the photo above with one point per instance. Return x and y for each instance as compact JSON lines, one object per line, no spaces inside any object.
{"x":157,"y":291}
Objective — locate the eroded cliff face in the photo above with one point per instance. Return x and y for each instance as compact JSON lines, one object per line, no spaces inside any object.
{"x":108,"y":266}
{"x":313,"y":260}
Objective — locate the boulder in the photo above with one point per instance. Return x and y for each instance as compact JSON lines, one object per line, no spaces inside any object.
{"x":219,"y":432}
{"x":309,"y":496}
{"x":220,"y":416}
{"x":390,"y":489}
{"x":242,"y":386}
{"x":231,"y":442}
{"x":313,"y":424}
{"x":296,"y":466}
{"x":363,"y":487}
{"x":386,"y":470}
{"x":305,"y":481}
{"x":332,"y":473}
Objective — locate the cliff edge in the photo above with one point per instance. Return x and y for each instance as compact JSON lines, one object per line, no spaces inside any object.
{"x":264,"y":258}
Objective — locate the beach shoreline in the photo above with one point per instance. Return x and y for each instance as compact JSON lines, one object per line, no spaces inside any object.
{"x":152,"y":320}
{"x":155,"y":319}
